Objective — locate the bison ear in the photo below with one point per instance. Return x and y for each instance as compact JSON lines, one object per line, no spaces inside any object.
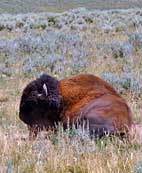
{"x":45,"y":89}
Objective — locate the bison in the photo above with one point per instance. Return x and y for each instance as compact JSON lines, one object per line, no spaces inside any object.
{"x":81,"y":99}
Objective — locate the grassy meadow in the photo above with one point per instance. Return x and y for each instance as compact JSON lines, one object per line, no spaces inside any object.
{"x":106,"y":43}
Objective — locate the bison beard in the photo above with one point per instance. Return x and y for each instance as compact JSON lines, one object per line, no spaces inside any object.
{"x":81,"y":98}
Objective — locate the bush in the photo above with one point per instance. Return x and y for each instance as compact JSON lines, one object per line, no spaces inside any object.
{"x":135,"y":39}
{"x":126,"y":81}
{"x":116,"y":49}
{"x":51,"y":63}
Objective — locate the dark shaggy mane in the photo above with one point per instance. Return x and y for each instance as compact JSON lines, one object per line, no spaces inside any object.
{"x":54,"y":99}
{"x":34,"y":97}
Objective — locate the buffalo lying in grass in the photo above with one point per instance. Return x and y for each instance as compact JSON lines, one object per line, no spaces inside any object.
{"x":84,"y":99}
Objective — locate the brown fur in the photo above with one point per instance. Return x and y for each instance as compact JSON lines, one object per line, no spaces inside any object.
{"x":81,"y":91}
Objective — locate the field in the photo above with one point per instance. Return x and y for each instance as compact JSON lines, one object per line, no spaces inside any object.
{"x":105,"y":43}
{"x":26,"y":6}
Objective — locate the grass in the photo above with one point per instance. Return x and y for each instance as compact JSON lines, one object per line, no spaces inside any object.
{"x":60,"y":153}
{"x":63,"y":153}
{"x":67,"y":154}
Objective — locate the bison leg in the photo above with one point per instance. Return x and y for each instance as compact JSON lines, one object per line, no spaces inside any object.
{"x":33,"y":132}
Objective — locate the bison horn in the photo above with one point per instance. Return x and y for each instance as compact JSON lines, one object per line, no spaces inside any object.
{"x":45,"y":89}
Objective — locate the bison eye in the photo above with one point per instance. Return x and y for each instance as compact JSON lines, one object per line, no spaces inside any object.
{"x":40,"y":91}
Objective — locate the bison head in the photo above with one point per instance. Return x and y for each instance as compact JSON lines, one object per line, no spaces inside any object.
{"x":40,"y":102}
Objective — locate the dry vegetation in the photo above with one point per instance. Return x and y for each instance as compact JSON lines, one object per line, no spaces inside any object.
{"x":18,"y":6}
{"x":108,"y":44}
